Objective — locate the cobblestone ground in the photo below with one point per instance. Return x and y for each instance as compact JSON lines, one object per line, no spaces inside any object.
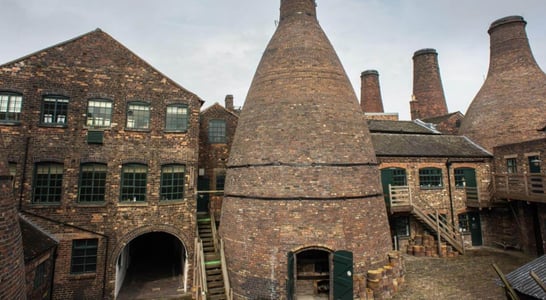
{"x":469,"y":276}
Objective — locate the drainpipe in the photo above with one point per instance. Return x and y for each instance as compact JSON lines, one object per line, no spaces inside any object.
{"x":52,"y":276}
{"x":24,"y":176}
{"x":448,"y":165}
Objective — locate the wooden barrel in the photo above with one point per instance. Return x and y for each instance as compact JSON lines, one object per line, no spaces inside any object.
{"x":375,"y":274}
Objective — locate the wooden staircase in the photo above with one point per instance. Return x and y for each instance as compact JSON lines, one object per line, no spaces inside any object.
{"x":209,"y":265}
{"x":400,"y":201}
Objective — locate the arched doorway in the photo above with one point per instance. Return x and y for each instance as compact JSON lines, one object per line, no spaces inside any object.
{"x":150,"y":266}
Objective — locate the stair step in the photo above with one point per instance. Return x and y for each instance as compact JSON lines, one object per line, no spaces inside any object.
{"x":215,"y":284}
{"x":213,"y":272}
{"x":203,"y":220}
{"x":217,"y":277}
{"x":217,"y":290}
{"x":217,"y":297}
{"x":212,"y":256}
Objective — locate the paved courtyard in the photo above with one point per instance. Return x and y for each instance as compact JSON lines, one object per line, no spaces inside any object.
{"x":469,"y":276}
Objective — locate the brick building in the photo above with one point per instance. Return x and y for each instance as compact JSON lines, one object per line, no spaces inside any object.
{"x":104,"y":152}
{"x":217,"y":128}
{"x":425,"y":171}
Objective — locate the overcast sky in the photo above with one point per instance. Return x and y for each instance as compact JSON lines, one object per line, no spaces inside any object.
{"x":212,"y":47}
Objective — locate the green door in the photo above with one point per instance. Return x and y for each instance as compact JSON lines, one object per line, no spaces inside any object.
{"x":290,"y":280}
{"x":202,"y":198}
{"x":343,"y":275}
{"x":392,"y":176}
{"x":475,"y":228}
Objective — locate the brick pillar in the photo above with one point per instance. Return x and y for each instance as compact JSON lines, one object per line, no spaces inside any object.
{"x":370,"y":93}
{"x":229,"y":102}
{"x":428,"y":98}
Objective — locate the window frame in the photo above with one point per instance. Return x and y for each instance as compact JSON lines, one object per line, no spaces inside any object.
{"x":398,"y":223}
{"x":97,"y":186}
{"x":6,"y":119}
{"x":89,"y":247}
{"x":511,"y":165}
{"x":431,"y":178}
{"x":54,"y":192}
{"x":130,"y":186}
{"x":57,"y":111}
{"x":216,"y":134}
{"x":180,"y":125}
{"x":172,"y":186}
{"x":91,"y":117}
{"x":131,"y":118}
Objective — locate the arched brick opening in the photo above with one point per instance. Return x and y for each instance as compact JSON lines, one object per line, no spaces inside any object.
{"x":313,"y":272}
{"x":151,"y":254}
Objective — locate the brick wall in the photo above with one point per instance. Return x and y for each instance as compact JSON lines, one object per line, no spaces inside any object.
{"x":95,"y":65}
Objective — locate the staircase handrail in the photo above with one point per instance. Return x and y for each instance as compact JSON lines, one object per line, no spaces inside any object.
{"x":215,"y":236}
{"x":225,"y":275}
{"x":200,"y":271}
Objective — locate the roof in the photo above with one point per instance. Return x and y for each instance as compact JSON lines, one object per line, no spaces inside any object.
{"x":217,"y":105}
{"x":102,"y":34}
{"x":387,"y":126}
{"x":426,"y":145}
{"x":524,"y":283}
{"x":440,"y":119}
{"x":35,"y":242}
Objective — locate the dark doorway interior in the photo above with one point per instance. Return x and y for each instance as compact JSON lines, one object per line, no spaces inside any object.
{"x":155,"y":267}
{"x":313,"y":273}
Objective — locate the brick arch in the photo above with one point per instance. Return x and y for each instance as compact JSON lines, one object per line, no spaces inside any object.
{"x":127,"y":238}
{"x":313,"y":247}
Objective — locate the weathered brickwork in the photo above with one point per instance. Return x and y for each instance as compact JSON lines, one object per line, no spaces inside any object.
{"x":370,"y":93}
{"x":517,"y":185}
{"x":302,"y":172}
{"x":12,"y":268}
{"x":42,"y":291}
{"x":428,"y":91}
{"x":447,"y":196}
{"x":88,"y":67}
{"x":509,"y":107}
{"x":213,"y":157}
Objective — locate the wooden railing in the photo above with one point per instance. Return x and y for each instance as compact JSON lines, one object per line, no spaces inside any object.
{"x":200,"y":272}
{"x":521,"y":187}
{"x":219,"y":246}
{"x":400,"y":200}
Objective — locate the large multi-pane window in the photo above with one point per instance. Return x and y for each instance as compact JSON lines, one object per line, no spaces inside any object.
{"x":99,"y":113}
{"x":172,"y":182}
{"x":133,"y":182}
{"x":460,"y":180}
{"x":138,"y":115}
{"x":48,"y":180}
{"x":92,"y":183}
{"x":55,"y":110}
{"x":177,"y":118}
{"x":217,"y":131}
{"x":511,"y":165}
{"x":84,"y":256}
{"x":10,"y":107}
{"x":430,"y":177}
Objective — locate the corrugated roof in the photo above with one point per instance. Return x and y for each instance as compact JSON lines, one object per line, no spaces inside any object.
{"x":387,"y":126}
{"x":524,"y":283}
{"x":426,"y":145}
{"x":35,"y":242}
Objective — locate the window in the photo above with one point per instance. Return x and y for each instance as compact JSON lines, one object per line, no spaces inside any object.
{"x":460,"y":180}
{"x":133,"y":182}
{"x":84,"y":256}
{"x":534,"y":164}
{"x":401,"y":226}
{"x":511,"y":165}
{"x":220,"y":180}
{"x":55,"y":110}
{"x":99,"y":113}
{"x":172,"y":182}
{"x":464,"y":225}
{"x":48,"y":179}
{"x":92,"y":183}
{"x":40,"y":275}
{"x":138,"y":116}
{"x":430,"y":177}
{"x":177,"y":118}
{"x":10,"y":107}
{"x":398,"y":177}
{"x":217,"y":131}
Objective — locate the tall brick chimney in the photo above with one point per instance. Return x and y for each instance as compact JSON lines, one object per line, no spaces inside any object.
{"x":12,"y":266}
{"x":509,"y":107}
{"x":370,"y":93}
{"x":229,"y":103}
{"x":302,"y":179}
{"x":428,"y":98}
